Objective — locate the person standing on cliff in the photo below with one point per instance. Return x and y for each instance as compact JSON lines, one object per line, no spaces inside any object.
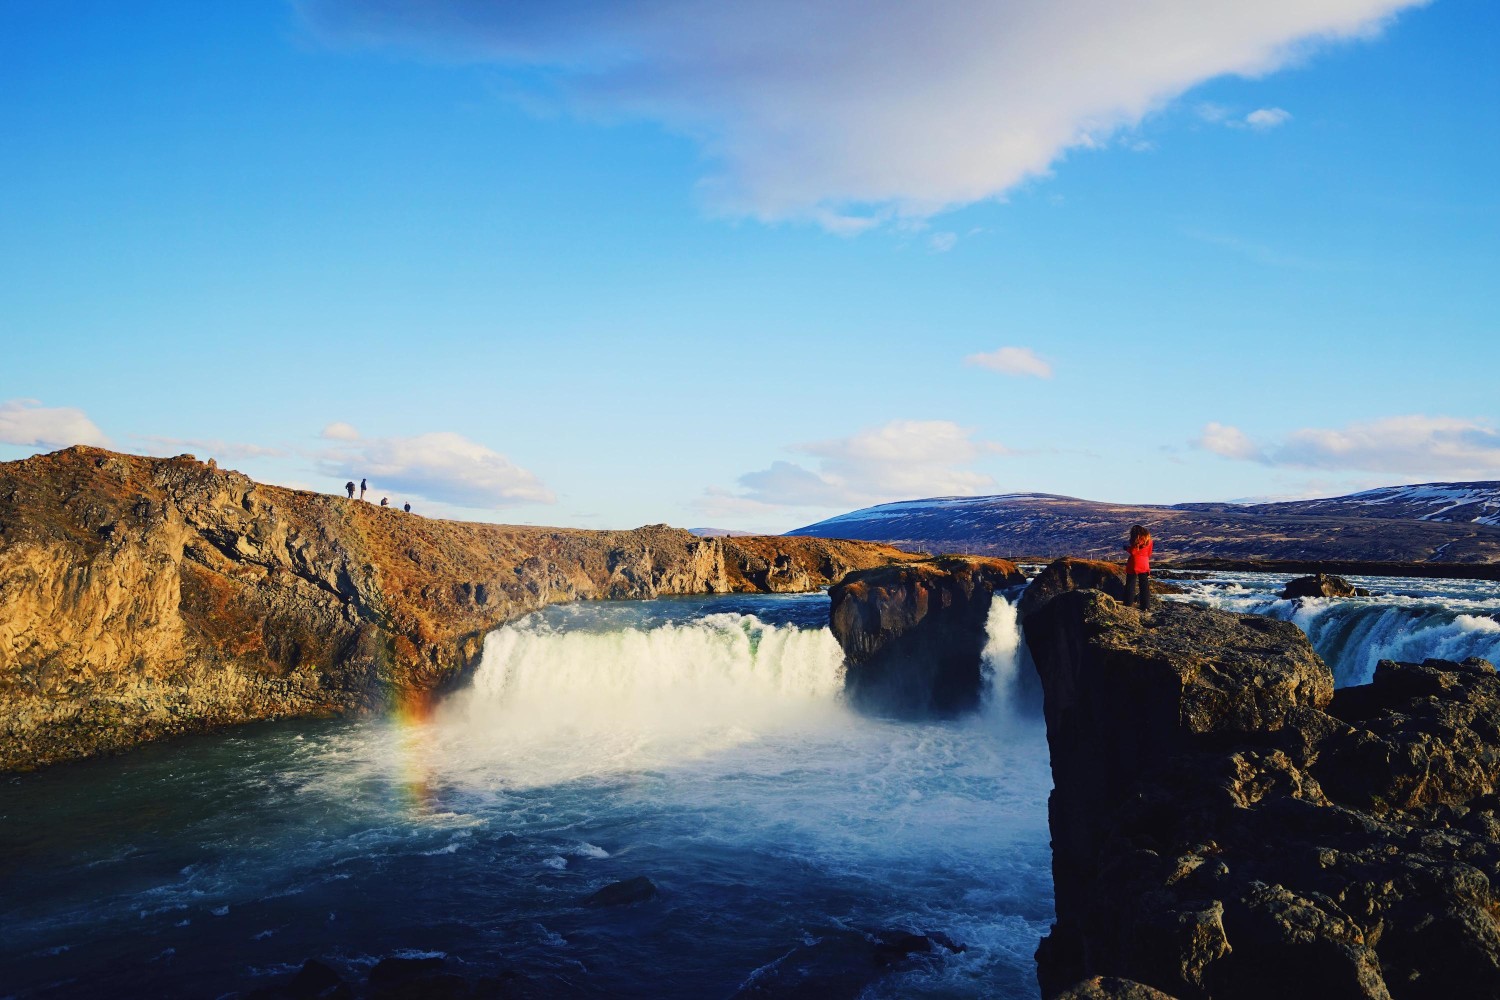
{"x":1138,"y":567}
{"x":350,"y":487}
{"x":362,"y":488}
{"x":406,"y":507}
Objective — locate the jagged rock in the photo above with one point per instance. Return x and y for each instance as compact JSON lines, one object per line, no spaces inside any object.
{"x":631,"y":890}
{"x":142,"y":598}
{"x":912,"y":634}
{"x":1226,"y":826}
{"x":1111,"y":988}
{"x":1067,"y":574}
{"x":1321,"y":585}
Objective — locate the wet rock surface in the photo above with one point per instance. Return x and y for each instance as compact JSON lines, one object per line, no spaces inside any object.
{"x":143,"y":598}
{"x":1227,"y":825}
{"x":913,"y":634}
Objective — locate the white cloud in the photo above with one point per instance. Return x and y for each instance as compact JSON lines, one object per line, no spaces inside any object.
{"x":28,"y":423}
{"x":846,"y":112}
{"x":442,"y":466}
{"x":1415,"y":445}
{"x":1231,"y":442}
{"x":903,"y":459}
{"x":1019,"y":361}
{"x":1267,"y":118}
{"x":340,"y":431}
{"x":942,"y":242}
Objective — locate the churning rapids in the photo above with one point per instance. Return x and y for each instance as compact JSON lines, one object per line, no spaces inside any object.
{"x":702,"y":743}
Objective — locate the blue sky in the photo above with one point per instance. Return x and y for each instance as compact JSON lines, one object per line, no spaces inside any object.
{"x":657,"y":262}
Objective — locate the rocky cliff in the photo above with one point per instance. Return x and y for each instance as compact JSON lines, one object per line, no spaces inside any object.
{"x":912,"y":634}
{"x":143,"y":597}
{"x":1227,"y":825}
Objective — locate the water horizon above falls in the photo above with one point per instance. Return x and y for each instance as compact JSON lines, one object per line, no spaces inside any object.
{"x":701,"y":742}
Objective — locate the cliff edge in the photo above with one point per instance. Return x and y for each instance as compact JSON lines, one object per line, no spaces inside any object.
{"x":145,"y":597}
{"x":1227,"y":825}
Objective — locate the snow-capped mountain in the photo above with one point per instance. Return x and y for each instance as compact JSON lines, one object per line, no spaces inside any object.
{"x":1469,"y":503}
{"x":1450,"y":522}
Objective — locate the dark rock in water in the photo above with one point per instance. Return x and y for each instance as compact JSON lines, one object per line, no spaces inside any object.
{"x":912,"y":634}
{"x":632,"y":890}
{"x":840,"y":964}
{"x":1225,"y":825}
{"x":1321,"y":585}
{"x":1064,"y":575}
{"x":415,"y":979}
{"x":316,"y":979}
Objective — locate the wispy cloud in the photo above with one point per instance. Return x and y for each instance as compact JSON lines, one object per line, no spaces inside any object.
{"x":339,"y":431}
{"x":443,"y":466}
{"x":849,"y":112}
{"x":898,"y":460}
{"x":1415,"y":445}
{"x":942,"y":242}
{"x":1261,"y":253}
{"x":1267,"y":118}
{"x":207,"y":447}
{"x":28,"y":423}
{"x":1020,"y":361}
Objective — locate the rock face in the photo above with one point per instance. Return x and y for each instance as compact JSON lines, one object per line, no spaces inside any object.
{"x":1321,"y":585}
{"x":1226,"y":825}
{"x":912,"y":634}
{"x":141,"y":598}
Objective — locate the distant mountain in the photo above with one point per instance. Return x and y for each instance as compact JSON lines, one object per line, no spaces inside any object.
{"x":719,"y":533}
{"x":1451,"y":503}
{"x":1446,"y":522}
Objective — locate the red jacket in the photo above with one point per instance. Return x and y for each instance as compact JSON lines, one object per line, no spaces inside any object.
{"x":1139,"y":560}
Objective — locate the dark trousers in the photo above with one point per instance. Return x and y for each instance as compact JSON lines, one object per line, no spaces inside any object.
{"x":1138,"y":582}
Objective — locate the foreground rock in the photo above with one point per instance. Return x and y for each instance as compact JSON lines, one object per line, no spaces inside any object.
{"x":1321,"y":585}
{"x":142,"y":598}
{"x":912,"y":634}
{"x":1226,"y":825}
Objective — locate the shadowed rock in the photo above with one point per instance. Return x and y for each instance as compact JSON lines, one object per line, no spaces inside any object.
{"x":1227,"y":826}
{"x":913,"y":634}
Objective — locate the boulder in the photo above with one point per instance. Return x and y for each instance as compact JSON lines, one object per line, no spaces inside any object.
{"x":631,"y":890}
{"x":1226,"y":826}
{"x":913,"y":634}
{"x":1321,"y":585}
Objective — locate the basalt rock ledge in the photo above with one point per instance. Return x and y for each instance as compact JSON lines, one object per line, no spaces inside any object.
{"x":1227,"y":825}
{"x":143,"y":597}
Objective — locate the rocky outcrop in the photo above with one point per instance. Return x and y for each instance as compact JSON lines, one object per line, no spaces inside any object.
{"x":1321,"y":585}
{"x":912,"y":634}
{"x":1063,"y":575}
{"x":1226,"y":825}
{"x":141,"y":597}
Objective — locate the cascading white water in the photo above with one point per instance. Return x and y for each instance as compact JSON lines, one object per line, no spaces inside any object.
{"x":1407,"y":620}
{"x":555,"y":704}
{"x":1002,"y":656}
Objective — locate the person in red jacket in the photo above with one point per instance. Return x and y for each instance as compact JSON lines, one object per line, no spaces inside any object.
{"x":1138,"y":567}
